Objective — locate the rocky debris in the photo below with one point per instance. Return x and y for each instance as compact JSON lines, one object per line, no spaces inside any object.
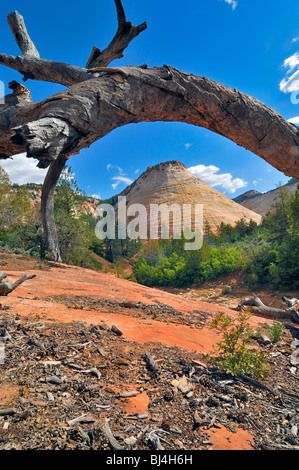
{"x":159,"y":311}
{"x":82,"y":387}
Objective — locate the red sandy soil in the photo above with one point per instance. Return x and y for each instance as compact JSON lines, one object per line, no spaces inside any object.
{"x":39,"y":297}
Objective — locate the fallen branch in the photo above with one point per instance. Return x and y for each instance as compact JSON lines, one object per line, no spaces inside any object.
{"x":259,"y":308}
{"x":6,"y":287}
{"x":112,"y":441}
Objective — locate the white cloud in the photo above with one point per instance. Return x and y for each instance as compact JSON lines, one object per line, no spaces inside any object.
{"x":290,"y":83}
{"x":22,"y":170}
{"x":294,"y":120}
{"x":187,"y":145}
{"x":295,"y":39}
{"x":209,"y":174}
{"x":114,"y":167}
{"x":96,"y":196}
{"x":233,"y":3}
{"x":121,"y":179}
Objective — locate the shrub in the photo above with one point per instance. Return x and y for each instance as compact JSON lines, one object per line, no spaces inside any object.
{"x":234,"y":357}
{"x":275,"y":332}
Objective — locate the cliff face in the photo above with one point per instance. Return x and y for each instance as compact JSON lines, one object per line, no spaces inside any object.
{"x":262,"y":202}
{"x":171,"y":183}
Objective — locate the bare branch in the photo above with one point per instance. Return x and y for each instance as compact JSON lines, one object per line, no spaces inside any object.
{"x":35,"y":68}
{"x":45,"y":139}
{"x":99,"y":105}
{"x":31,"y":66}
{"x":125,"y":34}
{"x":7,"y":287}
{"x":18,"y":28}
{"x":257,"y":307}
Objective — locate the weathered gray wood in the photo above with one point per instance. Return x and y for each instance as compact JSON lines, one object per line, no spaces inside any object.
{"x":125,"y":34}
{"x":47,"y":207}
{"x":7,"y":287}
{"x":257,"y":307}
{"x":97,"y":106}
{"x":19,"y":30}
{"x":45,"y":70}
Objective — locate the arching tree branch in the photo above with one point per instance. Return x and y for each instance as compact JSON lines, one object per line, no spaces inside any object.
{"x":92,"y":109}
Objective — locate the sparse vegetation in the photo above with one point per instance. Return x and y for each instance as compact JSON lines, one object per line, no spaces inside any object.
{"x":268,"y":253}
{"x":233,"y":355}
{"x":275,"y":332}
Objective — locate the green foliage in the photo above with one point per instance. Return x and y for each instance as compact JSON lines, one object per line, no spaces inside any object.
{"x":166,"y":263}
{"x":269,"y":253}
{"x":14,"y":205}
{"x":74,"y":228}
{"x":276,"y":260}
{"x":232,"y":353}
{"x":275,"y":332}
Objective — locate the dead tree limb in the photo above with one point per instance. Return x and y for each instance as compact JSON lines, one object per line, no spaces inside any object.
{"x":100,"y":99}
{"x":257,"y":307}
{"x":7,"y":287}
{"x":125,"y":33}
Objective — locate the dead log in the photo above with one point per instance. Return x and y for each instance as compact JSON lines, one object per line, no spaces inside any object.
{"x":100,"y":99}
{"x":257,"y":307}
{"x":7,"y":287}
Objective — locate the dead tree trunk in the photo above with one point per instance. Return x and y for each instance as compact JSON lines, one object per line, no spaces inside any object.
{"x":7,"y":287}
{"x":257,"y":307}
{"x":99,"y":99}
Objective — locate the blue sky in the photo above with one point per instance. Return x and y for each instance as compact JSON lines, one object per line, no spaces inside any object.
{"x":251,"y":45}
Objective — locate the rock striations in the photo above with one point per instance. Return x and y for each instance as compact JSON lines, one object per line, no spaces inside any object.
{"x":171,"y":183}
{"x":262,"y":202}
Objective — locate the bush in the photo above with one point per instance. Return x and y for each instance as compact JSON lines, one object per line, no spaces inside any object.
{"x":233,"y":355}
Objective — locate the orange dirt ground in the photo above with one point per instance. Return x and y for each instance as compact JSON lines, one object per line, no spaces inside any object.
{"x":32,"y":298}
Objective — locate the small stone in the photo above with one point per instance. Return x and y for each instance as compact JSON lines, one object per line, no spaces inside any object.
{"x":116,"y":330}
{"x":54,"y":380}
{"x":294,"y":430}
{"x":130,"y":441}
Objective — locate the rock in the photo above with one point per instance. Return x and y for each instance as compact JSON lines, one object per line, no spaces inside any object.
{"x":170,"y":182}
{"x":130,"y":441}
{"x":182,"y":384}
{"x":116,"y":330}
{"x":54,"y":380}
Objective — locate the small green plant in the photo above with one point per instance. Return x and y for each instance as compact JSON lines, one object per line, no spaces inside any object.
{"x":233,"y":355}
{"x":275,"y":332}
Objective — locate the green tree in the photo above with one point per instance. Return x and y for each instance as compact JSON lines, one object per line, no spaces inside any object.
{"x":15,"y":205}
{"x":276,"y":261}
{"x":76,"y":237}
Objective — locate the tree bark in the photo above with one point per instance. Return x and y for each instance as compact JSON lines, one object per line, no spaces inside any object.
{"x":47,"y":207}
{"x":91,"y":109}
{"x":100,"y":99}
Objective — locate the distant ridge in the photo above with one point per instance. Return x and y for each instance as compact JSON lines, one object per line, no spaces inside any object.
{"x":261,"y":202}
